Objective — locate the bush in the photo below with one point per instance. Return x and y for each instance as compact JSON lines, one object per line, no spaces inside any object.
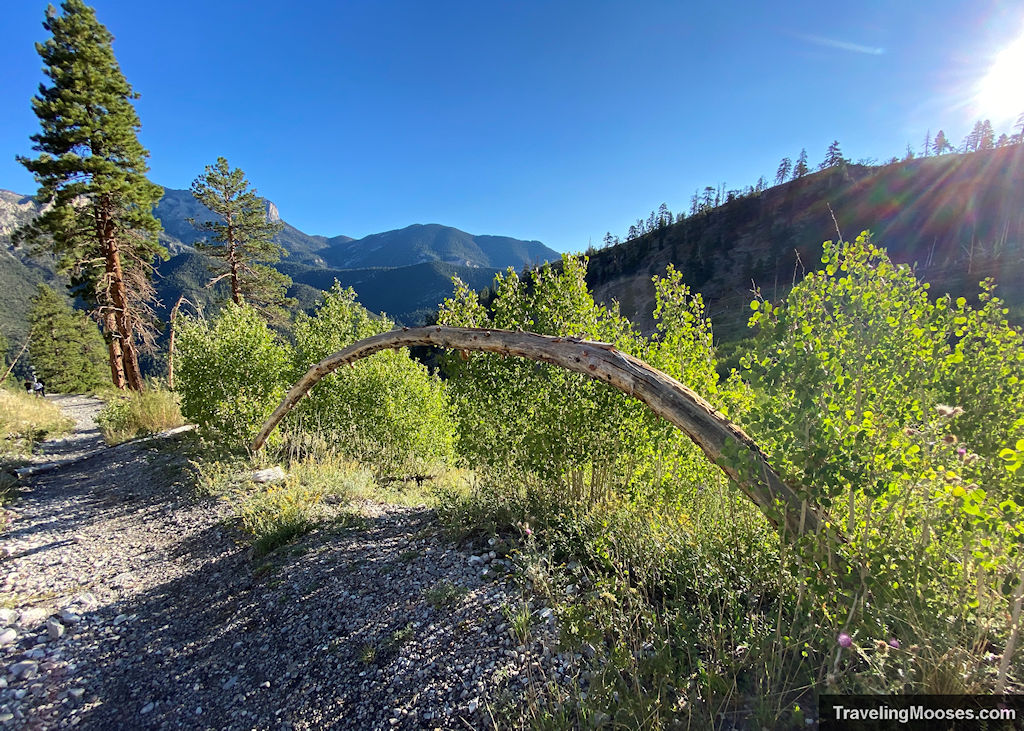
{"x":894,"y":411}
{"x":277,"y":515}
{"x":519,"y":415}
{"x":232,"y":372}
{"x":138,"y":414}
{"x":385,"y":410}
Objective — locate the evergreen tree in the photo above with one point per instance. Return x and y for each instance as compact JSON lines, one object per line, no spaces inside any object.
{"x":1019,"y":137}
{"x":941,"y":144}
{"x":987,"y":137}
{"x":97,"y":203}
{"x":972,"y":141}
{"x":241,"y":242}
{"x":67,"y":350}
{"x":833,"y":156}
{"x":926,"y":149}
{"x":801,"y":169}
{"x":783,"y":172}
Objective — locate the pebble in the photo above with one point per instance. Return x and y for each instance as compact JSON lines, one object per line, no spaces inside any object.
{"x":55,"y":630}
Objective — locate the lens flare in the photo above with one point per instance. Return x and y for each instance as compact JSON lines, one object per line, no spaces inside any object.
{"x":1000,"y":95}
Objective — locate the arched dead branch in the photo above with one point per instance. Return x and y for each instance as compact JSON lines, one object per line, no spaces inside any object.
{"x":724,"y":443}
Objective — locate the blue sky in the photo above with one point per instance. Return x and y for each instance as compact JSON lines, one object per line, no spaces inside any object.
{"x":549,"y":120}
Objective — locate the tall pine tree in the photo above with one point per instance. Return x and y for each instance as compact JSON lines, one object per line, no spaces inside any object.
{"x":241,"y":242}
{"x":65,"y":346}
{"x":800,"y":169}
{"x":98,"y":204}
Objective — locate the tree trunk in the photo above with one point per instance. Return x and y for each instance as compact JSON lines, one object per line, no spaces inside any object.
{"x":114,"y":350}
{"x":122,"y":316}
{"x":724,"y":443}
{"x":236,"y":290}
{"x":170,"y":343}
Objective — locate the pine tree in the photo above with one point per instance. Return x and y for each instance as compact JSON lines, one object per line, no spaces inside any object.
{"x":241,"y":241}
{"x":801,"y":169}
{"x":833,"y":156}
{"x":941,"y":144}
{"x":67,"y":350}
{"x":987,"y":137}
{"x":783,"y":172}
{"x":98,"y":204}
{"x":927,"y":148}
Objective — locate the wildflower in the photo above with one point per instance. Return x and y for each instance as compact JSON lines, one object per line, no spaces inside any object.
{"x":949,"y":439}
{"x":527,"y":530}
{"x":961,"y":451}
{"x":844,"y":640}
{"x":894,"y":643}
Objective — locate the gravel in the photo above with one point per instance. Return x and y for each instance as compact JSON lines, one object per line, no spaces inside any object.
{"x":129,"y":602}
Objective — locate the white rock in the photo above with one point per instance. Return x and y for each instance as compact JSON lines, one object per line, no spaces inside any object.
{"x":8,"y":616}
{"x":76,"y":693}
{"x":32,"y":618}
{"x":147,"y":708}
{"x":8,"y":636}
{"x":273,"y":474}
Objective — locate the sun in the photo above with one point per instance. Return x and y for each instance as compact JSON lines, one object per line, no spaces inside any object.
{"x":1000,"y":94}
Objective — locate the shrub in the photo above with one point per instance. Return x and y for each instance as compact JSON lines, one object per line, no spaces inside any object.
{"x":138,"y":414}
{"x":232,"y":372}
{"x":894,"y":410}
{"x":515,"y":414}
{"x":277,"y":515}
{"x":386,"y":410}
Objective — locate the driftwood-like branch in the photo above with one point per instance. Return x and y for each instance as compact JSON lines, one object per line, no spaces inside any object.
{"x":724,"y":443}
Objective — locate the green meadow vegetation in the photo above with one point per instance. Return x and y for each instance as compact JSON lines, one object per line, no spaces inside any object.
{"x":896,"y":415}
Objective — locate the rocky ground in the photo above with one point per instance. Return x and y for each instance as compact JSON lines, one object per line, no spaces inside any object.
{"x":129,"y":602}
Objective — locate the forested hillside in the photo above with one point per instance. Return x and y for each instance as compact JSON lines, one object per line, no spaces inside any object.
{"x":957,"y":218}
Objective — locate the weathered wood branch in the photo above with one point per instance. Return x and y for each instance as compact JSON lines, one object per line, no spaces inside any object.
{"x":724,"y":443}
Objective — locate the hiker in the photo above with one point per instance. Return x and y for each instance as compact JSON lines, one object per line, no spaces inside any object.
{"x":39,"y":389}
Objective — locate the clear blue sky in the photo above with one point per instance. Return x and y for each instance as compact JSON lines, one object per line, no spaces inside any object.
{"x":548,"y":119}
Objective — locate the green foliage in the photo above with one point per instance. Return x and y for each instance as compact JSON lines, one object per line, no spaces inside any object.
{"x":241,"y":240}
{"x":97,"y":216}
{"x":275,"y":516}
{"x":897,"y":409}
{"x":138,"y":414}
{"x":66,"y":348}
{"x":231,"y":372}
{"x":387,"y":409}
{"x":520,"y":415}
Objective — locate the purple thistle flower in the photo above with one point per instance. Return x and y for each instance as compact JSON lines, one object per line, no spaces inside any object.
{"x":894,"y":643}
{"x":961,"y":451}
{"x":844,"y":640}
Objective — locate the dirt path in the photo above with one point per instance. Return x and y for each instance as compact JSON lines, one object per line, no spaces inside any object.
{"x":83,"y":439}
{"x":129,"y":603}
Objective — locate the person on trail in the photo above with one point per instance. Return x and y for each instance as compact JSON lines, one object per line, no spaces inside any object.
{"x":39,"y":389}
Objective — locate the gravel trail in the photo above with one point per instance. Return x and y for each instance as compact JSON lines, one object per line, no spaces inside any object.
{"x":85,"y":437}
{"x":128,"y":602}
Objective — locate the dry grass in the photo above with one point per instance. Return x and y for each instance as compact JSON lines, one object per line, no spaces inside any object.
{"x":26,"y":419}
{"x":139,"y":414}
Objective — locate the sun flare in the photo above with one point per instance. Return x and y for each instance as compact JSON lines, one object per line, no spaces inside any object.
{"x":1001,"y":92}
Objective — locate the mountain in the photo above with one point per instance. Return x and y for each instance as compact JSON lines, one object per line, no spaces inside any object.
{"x":406,"y":294}
{"x":176,"y":207}
{"x":421,"y":243}
{"x":956,"y":218}
{"x":404,"y":273}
